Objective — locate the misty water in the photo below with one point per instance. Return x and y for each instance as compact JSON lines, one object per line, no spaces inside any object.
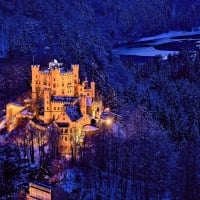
{"x":163,"y":44}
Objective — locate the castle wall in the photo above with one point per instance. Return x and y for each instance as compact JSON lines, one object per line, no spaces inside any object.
{"x":56,"y":109}
{"x":61,"y":83}
{"x":97,"y":108}
{"x":67,"y":134}
{"x":56,"y":82}
{"x":12,"y":109}
{"x":47,"y":106}
{"x":35,"y":71}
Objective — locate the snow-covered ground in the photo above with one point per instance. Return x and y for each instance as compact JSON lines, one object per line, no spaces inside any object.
{"x":148,"y":49}
{"x":106,"y":186}
{"x":169,"y":35}
{"x":143,"y":51}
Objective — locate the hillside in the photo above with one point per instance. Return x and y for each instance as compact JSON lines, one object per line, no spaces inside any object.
{"x":79,"y":32}
{"x":56,"y":28}
{"x":158,"y":155}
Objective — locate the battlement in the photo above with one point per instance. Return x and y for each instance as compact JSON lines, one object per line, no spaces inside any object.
{"x":66,"y":73}
{"x":35,"y":67}
{"x":60,"y":97}
{"x":73,"y":66}
{"x":56,"y":67}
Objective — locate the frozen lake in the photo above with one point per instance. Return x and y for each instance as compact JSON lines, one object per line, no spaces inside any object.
{"x":163,"y":44}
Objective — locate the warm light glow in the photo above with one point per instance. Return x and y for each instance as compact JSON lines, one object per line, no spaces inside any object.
{"x":108,"y":121}
{"x":55,"y":97}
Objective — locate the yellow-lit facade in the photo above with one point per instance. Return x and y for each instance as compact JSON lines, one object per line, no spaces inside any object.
{"x":59,"y":95}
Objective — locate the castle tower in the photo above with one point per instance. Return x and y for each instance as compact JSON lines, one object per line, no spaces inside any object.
{"x":55,"y":78}
{"x":35,"y":72}
{"x":92,"y":85}
{"x":83,"y":105}
{"x":97,"y":108}
{"x":75,"y":69}
{"x":47,"y":106}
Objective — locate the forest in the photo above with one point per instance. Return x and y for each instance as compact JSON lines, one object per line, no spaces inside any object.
{"x":157,"y":156}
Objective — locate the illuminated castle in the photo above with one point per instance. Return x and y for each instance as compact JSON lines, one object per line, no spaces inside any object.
{"x":59,"y":96}
{"x":58,"y":90}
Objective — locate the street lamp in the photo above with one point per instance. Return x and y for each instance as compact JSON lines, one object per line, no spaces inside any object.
{"x":109,"y":121}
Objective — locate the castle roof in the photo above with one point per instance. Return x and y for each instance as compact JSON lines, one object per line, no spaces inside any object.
{"x":62,"y":124}
{"x":39,"y":122}
{"x":73,"y":112}
{"x":41,"y":186}
{"x":65,"y":99}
